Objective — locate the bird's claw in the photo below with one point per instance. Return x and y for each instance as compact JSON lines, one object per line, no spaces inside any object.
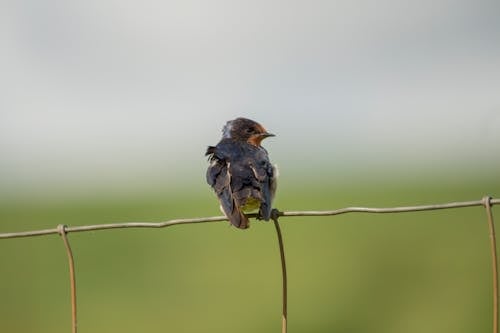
{"x":275,"y":214}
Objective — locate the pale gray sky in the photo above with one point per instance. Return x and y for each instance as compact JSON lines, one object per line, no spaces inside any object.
{"x":141,"y":86}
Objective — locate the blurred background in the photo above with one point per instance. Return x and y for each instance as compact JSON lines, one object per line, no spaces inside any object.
{"x":107,"y":108}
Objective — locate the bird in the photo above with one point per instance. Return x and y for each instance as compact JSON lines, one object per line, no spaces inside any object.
{"x":240,"y":172}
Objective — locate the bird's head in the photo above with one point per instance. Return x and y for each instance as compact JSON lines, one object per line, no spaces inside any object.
{"x":243,"y":129}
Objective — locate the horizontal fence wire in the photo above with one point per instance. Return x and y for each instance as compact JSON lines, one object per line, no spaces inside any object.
{"x":169,"y":223}
{"x":487,"y":202}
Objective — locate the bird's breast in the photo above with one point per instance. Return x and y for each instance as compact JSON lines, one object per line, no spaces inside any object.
{"x":250,"y":205}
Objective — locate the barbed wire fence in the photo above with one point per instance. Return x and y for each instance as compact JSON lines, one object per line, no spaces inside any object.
{"x":487,"y":202}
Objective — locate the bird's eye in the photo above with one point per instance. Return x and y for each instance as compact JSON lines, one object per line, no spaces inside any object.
{"x":250,"y":130}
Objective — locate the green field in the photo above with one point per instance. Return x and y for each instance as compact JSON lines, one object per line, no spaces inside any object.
{"x":408,"y":272}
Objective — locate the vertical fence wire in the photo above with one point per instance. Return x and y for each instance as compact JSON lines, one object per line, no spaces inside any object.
{"x":284,"y":312}
{"x":494,"y":262}
{"x":72,"y":279}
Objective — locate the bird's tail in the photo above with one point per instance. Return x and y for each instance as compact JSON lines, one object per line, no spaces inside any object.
{"x":237,"y":218}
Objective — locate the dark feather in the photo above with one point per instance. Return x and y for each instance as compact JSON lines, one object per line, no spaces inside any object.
{"x":240,"y":173}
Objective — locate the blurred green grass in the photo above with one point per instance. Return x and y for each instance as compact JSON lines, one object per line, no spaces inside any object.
{"x":411,"y":272}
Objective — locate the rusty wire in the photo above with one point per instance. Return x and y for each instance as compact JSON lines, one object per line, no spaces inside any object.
{"x":72,"y":277}
{"x":169,"y":223}
{"x":487,"y":202}
{"x":284,"y":283}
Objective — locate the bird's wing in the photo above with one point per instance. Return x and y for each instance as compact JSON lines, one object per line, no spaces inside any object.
{"x":219,"y":177}
{"x":265,"y":174}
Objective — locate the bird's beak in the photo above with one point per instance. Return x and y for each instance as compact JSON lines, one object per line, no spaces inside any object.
{"x":266,"y":135}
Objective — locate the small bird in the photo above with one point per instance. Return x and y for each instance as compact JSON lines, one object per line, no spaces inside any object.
{"x":240,"y":171}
